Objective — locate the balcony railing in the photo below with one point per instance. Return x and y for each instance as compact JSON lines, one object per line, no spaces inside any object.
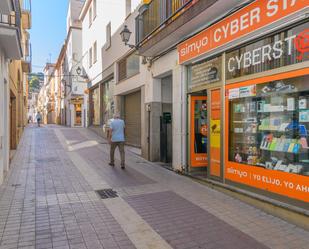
{"x":26,"y":5}
{"x":156,"y":15}
{"x":8,"y":20}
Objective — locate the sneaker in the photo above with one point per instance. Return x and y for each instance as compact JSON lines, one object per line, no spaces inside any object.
{"x":123,"y":167}
{"x":111,"y":164}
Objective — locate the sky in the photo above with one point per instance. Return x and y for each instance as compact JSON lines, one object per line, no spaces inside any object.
{"x":49,"y":30}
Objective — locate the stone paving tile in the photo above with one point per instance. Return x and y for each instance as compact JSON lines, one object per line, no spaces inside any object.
{"x":185,"y":225}
{"x":46,"y":201}
{"x":99,"y":159}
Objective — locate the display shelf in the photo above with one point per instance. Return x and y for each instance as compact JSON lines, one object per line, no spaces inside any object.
{"x":270,"y":112}
{"x":295,"y":153}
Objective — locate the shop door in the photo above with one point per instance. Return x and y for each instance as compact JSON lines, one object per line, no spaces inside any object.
{"x":166,"y":147}
{"x":132,"y":107}
{"x":215,"y":133}
{"x":78,"y":115}
{"x":198,"y":131}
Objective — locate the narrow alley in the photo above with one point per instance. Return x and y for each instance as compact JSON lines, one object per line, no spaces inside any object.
{"x":49,"y":200}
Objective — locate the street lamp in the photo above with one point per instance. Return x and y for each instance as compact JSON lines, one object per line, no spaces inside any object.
{"x":125,"y":36}
{"x":78,"y":70}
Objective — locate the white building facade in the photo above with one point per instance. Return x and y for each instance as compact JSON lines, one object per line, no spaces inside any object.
{"x":98,"y":23}
{"x":76,"y":105}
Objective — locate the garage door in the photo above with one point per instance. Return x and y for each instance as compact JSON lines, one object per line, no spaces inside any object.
{"x":133,"y":118}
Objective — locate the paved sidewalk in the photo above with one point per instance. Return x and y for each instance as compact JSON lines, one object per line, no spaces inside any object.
{"x":48,"y":200}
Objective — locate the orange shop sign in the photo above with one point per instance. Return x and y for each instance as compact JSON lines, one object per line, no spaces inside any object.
{"x":256,"y":15}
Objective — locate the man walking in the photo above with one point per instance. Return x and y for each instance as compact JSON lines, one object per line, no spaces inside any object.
{"x":116,"y":139}
{"x":38,"y":118}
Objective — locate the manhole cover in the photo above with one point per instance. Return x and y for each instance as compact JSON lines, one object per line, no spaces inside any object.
{"x":106,"y":193}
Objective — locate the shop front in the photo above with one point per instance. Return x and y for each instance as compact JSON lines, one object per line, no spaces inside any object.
{"x":205,"y":86}
{"x":77,"y":113}
{"x":267,"y":115}
{"x":248,"y":108}
{"x":101,"y":105}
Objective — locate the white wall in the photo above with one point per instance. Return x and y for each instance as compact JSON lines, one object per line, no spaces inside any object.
{"x":74,"y":56}
{"x":96,"y":32}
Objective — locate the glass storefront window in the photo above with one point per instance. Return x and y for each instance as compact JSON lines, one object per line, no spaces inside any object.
{"x":108,"y":101}
{"x":96,"y":106}
{"x":204,"y":72}
{"x":268,"y":125}
{"x":285,"y":48}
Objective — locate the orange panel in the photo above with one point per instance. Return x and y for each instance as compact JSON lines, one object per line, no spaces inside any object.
{"x":282,"y":183}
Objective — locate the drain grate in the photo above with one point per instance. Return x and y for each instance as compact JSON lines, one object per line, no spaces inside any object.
{"x":107,"y":193}
{"x":16,"y":185}
{"x":47,"y":160}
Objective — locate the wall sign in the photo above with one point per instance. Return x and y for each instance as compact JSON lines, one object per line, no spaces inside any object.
{"x":204,"y":72}
{"x":254,"y":16}
{"x":285,"y":48}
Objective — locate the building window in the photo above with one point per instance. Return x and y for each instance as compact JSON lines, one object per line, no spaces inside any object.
{"x":94,"y":6}
{"x":90,"y":16}
{"x":108,"y":36}
{"x":90,"y":57}
{"x":95,"y":52}
{"x":128,"y":66}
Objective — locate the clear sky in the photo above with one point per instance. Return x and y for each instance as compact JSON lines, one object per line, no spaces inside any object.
{"x":49,"y":30}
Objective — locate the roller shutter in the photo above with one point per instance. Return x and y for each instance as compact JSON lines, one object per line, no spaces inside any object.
{"x":132,"y":117}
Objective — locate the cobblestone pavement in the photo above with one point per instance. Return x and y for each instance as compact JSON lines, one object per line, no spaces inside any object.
{"x":48,"y":200}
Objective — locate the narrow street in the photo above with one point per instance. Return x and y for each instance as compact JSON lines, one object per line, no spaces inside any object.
{"x":48,"y":200}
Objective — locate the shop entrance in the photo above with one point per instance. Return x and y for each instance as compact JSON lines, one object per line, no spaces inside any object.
{"x":205,"y":133}
{"x":78,"y":115}
{"x":198,"y":134}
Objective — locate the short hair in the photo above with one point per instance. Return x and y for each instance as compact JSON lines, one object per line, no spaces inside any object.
{"x":116,"y":115}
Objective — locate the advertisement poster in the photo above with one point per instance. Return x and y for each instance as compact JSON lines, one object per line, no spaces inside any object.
{"x":215,"y":133}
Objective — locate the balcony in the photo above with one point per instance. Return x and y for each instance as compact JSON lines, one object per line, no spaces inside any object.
{"x":27,"y":57}
{"x":162,"y":24}
{"x":26,"y":14}
{"x":10,"y":35}
{"x":6,"y":7}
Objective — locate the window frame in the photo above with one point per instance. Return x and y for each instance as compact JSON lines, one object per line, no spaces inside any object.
{"x":95,"y":52}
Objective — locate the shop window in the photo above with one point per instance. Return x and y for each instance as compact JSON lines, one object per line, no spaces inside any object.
{"x":204,"y":72}
{"x":108,"y":102}
{"x":283,"y":49}
{"x":128,"y":66}
{"x":96,"y":106}
{"x":268,"y":125}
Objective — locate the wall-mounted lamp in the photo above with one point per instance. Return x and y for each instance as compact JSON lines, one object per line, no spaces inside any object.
{"x":125,"y":36}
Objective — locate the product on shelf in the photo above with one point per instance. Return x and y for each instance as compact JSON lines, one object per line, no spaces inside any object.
{"x":270,"y":128}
